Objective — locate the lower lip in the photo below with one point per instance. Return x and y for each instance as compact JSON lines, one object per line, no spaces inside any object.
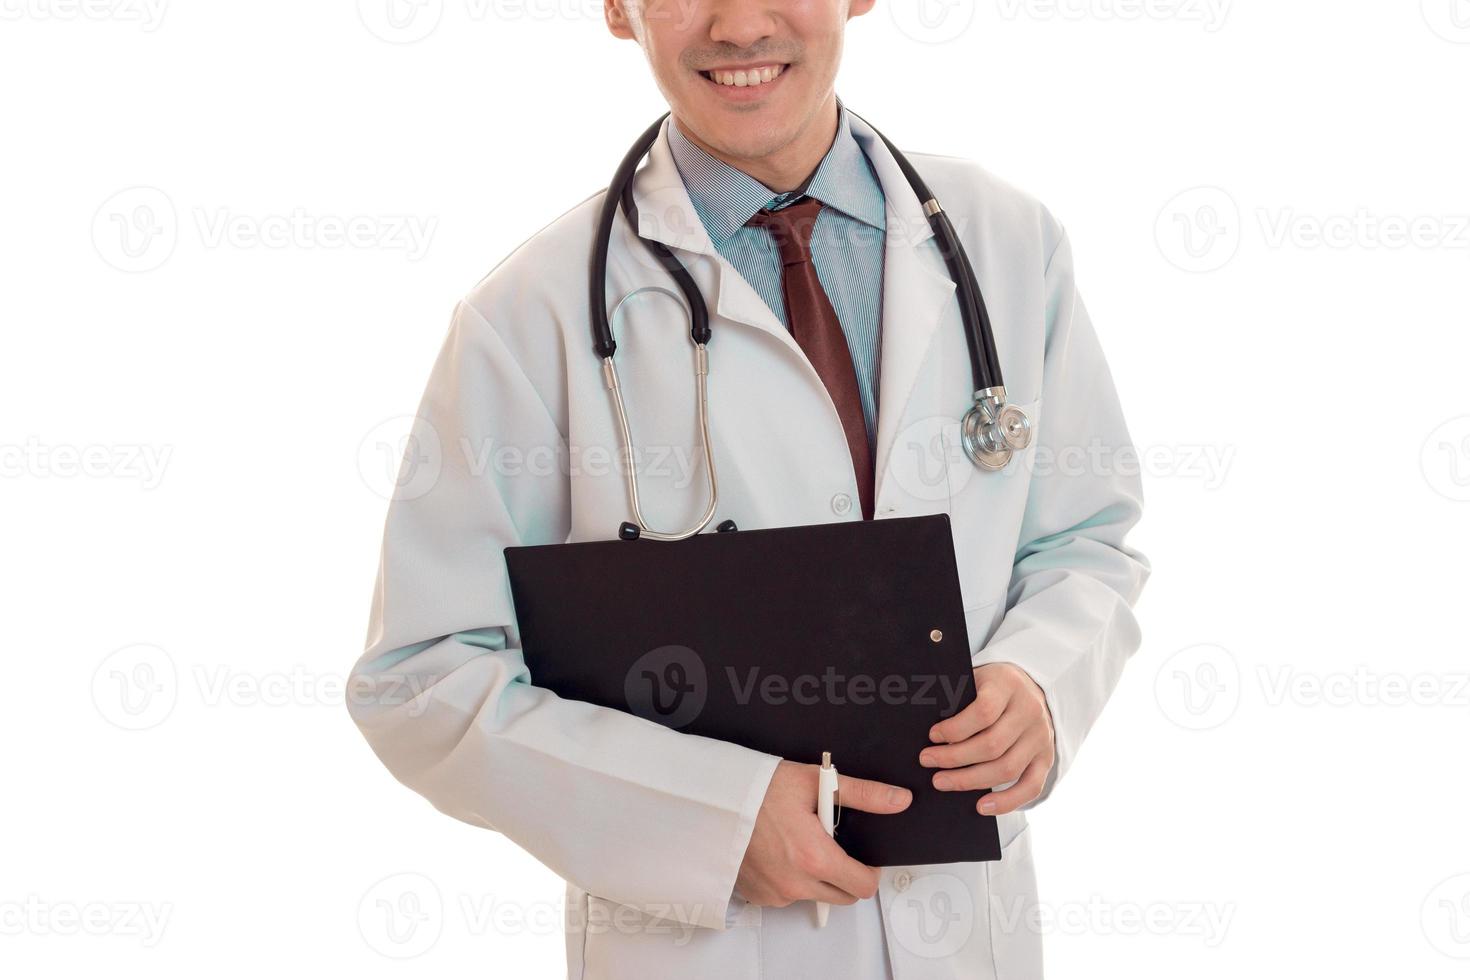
{"x":747,"y":93}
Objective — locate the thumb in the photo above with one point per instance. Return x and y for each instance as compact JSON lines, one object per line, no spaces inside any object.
{"x":871,"y":797}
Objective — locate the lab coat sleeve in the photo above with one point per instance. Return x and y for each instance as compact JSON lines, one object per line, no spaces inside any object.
{"x":1074,"y":582}
{"x":626,"y":809}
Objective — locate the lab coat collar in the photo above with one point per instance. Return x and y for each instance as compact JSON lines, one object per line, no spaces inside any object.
{"x":917,"y":290}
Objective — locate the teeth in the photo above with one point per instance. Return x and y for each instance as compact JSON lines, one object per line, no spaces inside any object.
{"x":745,"y":79}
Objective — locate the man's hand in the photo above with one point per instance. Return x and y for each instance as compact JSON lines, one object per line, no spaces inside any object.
{"x":790,"y":856}
{"x":1005,"y":734}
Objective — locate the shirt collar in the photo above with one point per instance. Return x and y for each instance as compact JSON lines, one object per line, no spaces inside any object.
{"x":726,"y":198}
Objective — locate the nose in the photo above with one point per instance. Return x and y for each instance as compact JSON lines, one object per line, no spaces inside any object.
{"x":741,"y":23}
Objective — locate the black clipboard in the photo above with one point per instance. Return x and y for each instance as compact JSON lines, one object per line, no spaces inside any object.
{"x":846,"y":637}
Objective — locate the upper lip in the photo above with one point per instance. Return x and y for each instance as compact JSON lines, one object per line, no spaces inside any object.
{"x":754,"y":64}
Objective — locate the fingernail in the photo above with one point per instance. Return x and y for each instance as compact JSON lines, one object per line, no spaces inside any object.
{"x":898,"y":795}
{"x":987,"y":805}
{"x":941,"y":782}
{"x":927,"y":759}
{"x":934,"y":735}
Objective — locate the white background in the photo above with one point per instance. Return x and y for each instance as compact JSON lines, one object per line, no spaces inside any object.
{"x":201,"y":391}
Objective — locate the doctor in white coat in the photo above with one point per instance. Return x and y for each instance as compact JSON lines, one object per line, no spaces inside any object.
{"x":686,"y":856}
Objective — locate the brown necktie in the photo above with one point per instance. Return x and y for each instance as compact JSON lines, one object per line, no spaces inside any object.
{"x":814,"y":324}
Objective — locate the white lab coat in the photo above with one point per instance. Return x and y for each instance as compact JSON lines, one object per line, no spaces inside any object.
{"x":516,"y":444}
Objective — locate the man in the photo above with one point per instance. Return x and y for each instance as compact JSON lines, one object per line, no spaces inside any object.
{"x":686,"y":856}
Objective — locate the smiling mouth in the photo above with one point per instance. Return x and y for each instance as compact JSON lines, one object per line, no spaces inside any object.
{"x":752,"y":77}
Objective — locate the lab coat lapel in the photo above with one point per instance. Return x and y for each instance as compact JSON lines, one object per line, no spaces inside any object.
{"x":917,"y":299}
{"x":667,"y":215}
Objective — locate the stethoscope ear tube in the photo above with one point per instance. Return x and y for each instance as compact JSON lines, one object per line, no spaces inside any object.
{"x":984,"y":363}
{"x":602,"y":335}
{"x":699,"y":330}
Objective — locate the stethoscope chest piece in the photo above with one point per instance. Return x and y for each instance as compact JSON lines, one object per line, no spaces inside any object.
{"x":992,"y":431}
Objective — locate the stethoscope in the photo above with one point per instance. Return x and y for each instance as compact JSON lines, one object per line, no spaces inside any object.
{"x":990,"y":432}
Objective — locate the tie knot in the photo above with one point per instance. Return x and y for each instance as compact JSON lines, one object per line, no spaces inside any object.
{"x":791,"y":227}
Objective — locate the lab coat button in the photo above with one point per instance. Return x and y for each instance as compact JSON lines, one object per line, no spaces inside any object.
{"x":902,"y":880}
{"x":841,"y":504}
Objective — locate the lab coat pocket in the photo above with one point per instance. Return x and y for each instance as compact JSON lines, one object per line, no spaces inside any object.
{"x":625,"y":943}
{"x":1015,"y":933}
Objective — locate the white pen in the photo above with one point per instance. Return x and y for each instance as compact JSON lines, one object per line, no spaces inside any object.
{"x":826,"y":812}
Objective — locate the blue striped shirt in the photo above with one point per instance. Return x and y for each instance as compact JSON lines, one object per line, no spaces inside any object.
{"x":847,"y":240}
